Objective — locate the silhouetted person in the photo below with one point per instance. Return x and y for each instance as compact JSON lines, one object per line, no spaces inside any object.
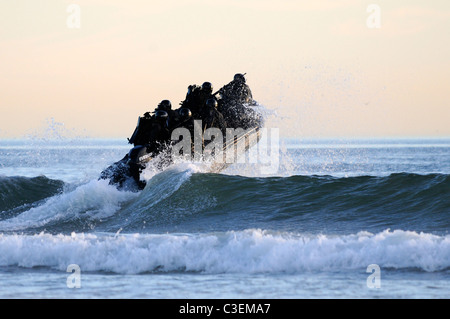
{"x":211,"y":117}
{"x":196,"y":98}
{"x":159,"y":135}
{"x":166,"y":105}
{"x":236,"y":91}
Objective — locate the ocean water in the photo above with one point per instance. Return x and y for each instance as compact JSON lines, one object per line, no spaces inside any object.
{"x":339,"y":218}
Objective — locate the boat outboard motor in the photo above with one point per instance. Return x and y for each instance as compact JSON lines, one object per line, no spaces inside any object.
{"x":135,"y":133}
{"x":138,"y":156}
{"x":143,"y":125}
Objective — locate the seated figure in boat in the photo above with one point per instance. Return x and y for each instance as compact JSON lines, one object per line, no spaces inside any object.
{"x":153,"y":129}
{"x":237,"y":91}
{"x":211,"y":117}
{"x":166,"y":105}
{"x":235,"y":100}
{"x":159,"y":134}
{"x":196,"y":98}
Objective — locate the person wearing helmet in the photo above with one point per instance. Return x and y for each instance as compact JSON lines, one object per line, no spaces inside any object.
{"x":185,"y":120}
{"x":237,"y":91}
{"x":166,"y":105}
{"x":207,"y":88}
{"x":159,"y":135}
{"x":191,"y":96}
{"x":211,"y":103}
{"x":211,"y":116}
{"x":238,"y":77}
{"x":184,"y":113}
{"x":197,"y":97}
{"x":161,"y":116}
{"x":235,"y":98}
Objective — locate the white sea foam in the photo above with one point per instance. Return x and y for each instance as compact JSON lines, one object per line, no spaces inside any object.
{"x":162,"y":185}
{"x":249,"y":251}
{"x":95,"y":200}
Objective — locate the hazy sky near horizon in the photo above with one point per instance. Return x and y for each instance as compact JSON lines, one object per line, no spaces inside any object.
{"x":320,"y":67}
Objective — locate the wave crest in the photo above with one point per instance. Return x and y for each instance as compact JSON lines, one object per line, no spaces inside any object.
{"x":248,"y":251}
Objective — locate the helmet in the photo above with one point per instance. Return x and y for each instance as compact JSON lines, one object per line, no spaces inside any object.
{"x":165,"y":105}
{"x":185,"y":113}
{"x":238,"y":77}
{"x":207,"y":86}
{"x":161,"y":115}
{"x":212,"y":103}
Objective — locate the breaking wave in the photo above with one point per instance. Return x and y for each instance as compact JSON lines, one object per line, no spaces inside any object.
{"x":248,"y":251}
{"x":185,"y":199}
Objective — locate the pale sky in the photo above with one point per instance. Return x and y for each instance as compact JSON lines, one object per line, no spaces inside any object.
{"x":322,"y":67}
